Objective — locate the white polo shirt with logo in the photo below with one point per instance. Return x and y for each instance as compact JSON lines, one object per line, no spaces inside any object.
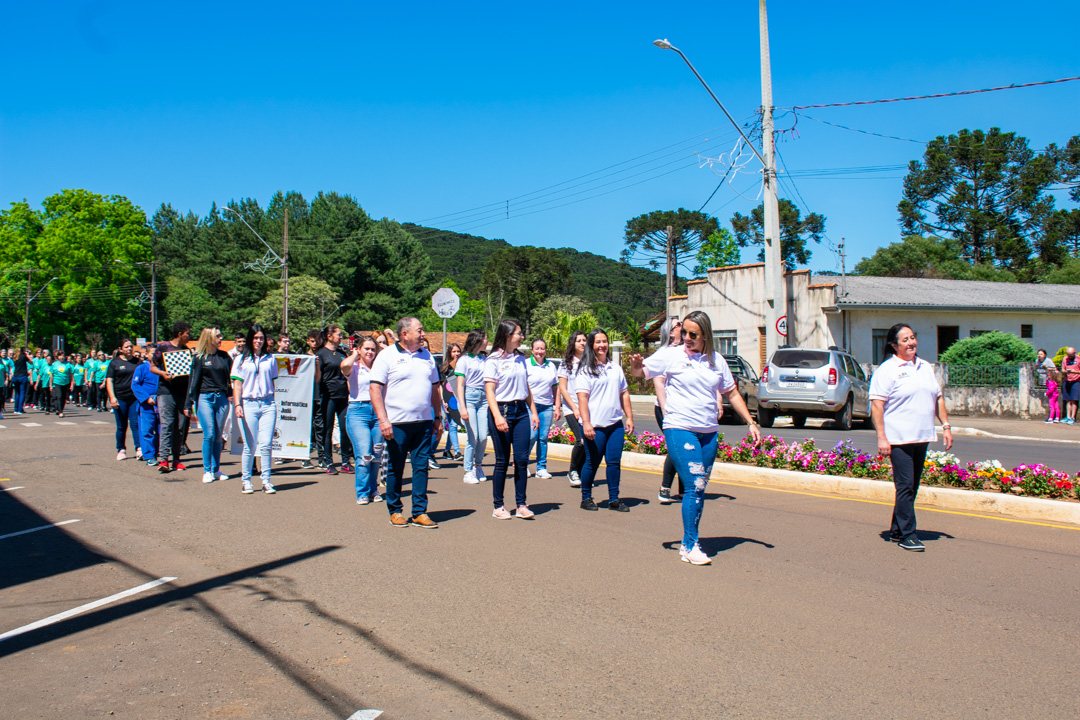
{"x":690,"y":387}
{"x":542,"y":382}
{"x":605,"y":393}
{"x":406,"y":378}
{"x":471,"y":367}
{"x":510,"y":373}
{"x":910,"y":392}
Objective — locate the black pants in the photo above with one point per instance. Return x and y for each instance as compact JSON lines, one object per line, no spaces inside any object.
{"x":59,"y":398}
{"x":577,"y":455}
{"x":907,"y":464}
{"x":338,"y":407}
{"x":670,"y":474}
{"x":317,"y":423}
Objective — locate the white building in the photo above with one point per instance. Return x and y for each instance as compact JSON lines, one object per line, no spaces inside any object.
{"x":856,"y":312}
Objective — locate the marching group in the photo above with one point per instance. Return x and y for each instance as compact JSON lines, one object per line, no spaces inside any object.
{"x":392,"y":402}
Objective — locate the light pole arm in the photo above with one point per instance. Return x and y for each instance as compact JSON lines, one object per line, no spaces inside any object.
{"x":272,"y":250}
{"x":30,"y":300}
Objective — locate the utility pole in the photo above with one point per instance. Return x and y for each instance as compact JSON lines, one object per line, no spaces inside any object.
{"x":285,"y":278}
{"x":153,"y":303}
{"x":843,"y":270}
{"x":670,"y":256}
{"x":775,"y":292}
{"x":26,"y":317}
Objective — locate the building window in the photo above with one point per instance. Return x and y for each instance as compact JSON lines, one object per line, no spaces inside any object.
{"x":1026,"y":331}
{"x":977,"y":333}
{"x":878,"y":343}
{"x":727,"y":342}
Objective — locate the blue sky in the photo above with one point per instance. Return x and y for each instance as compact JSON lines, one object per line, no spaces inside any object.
{"x":424,"y":111}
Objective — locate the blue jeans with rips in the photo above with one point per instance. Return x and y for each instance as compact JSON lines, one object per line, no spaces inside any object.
{"x":606,"y":446}
{"x":363,"y":427}
{"x":694,"y":454}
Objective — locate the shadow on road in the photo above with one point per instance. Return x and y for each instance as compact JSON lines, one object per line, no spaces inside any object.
{"x":714,"y":545}
{"x":441,"y":516}
{"x":294,"y":485}
{"x":541,"y":508}
{"x":924,"y":535}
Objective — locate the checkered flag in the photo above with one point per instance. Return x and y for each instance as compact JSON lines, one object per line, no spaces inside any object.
{"x":177,"y":362}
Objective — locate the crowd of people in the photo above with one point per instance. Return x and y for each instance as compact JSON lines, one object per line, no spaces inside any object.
{"x":391,"y":402}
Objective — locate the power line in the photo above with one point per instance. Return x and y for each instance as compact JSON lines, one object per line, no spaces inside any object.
{"x":1014,"y":86}
{"x":856,"y":130}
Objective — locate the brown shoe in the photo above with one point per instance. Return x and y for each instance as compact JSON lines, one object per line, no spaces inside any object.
{"x":398,"y":520}
{"x":423,"y":521}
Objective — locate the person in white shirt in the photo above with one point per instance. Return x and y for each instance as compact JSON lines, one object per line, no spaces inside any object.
{"x":407,"y":399}
{"x":695,"y":377}
{"x":472,"y":402}
{"x":544,"y":385}
{"x":513,"y":415}
{"x":603,"y":399}
{"x":253,"y":373}
{"x":904,"y":397}
{"x":575,"y":348}
{"x":361,"y":422}
{"x":670,"y":337}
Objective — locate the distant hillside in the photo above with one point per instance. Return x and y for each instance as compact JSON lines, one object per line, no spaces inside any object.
{"x":625,"y":290}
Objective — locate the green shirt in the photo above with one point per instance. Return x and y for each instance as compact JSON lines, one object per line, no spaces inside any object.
{"x":79,"y":373}
{"x":101,"y":369}
{"x":9,"y":367}
{"x":60,"y":373}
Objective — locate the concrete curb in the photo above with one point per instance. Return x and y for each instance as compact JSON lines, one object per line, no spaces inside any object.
{"x":986,"y":433}
{"x":1022,"y":508}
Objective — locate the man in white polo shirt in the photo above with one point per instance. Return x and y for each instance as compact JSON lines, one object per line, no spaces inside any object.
{"x":407,"y":399}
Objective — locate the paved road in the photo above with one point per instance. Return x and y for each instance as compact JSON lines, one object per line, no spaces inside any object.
{"x":304,"y":604}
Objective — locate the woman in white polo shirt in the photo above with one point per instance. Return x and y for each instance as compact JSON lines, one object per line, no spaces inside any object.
{"x":472,"y":402}
{"x":513,"y":415}
{"x":695,"y":377}
{"x":361,"y":422}
{"x":575,"y":348}
{"x":543,"y":383}
{"x":603,"y":399}
{"x":904,"y":396}
{"x":253,"y":374}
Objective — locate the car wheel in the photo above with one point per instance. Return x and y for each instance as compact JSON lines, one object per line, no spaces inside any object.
{"x":765,"y":417}
{"x":798,"y":421}
{"x":843,"y":416}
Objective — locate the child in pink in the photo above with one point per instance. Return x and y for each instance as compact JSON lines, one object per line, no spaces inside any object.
{"x":1053,"y":395}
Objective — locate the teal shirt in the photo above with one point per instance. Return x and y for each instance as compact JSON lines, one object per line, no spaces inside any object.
{"x":60,"y":373}
{"x":9,"y":367}
{"x":79,"y":373}
{"x":101,"y":369}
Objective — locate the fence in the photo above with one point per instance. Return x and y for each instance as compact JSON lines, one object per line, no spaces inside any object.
{"x":999,"y":390}
{"x":984,"y":376}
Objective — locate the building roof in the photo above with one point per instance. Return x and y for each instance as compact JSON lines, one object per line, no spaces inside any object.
{"x":864,"y":291}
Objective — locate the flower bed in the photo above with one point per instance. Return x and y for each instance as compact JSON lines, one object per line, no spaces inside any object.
{"x":941,"y":468}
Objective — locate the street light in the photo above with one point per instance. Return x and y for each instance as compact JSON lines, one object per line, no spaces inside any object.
{"x":265,"y":263}
{"x":26,"y":317}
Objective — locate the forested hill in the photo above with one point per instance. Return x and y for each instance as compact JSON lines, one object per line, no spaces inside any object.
{"x":624,"y":289}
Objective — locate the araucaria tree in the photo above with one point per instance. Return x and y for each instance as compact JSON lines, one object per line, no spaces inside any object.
{"x":647,"y":236}
{"x":795,"y":231}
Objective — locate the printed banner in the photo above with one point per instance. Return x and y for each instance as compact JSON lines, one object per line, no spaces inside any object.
{"x":293,"y":393}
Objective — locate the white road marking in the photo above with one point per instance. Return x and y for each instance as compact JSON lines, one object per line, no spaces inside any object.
{"x":362,"y":714}
{"x":98,"y":422}
{"x":30,"y":424}
{"x":64,"y":422}
{"x":17,"y":487}
{"x":83,"y":608}
{"x":43,"y":527}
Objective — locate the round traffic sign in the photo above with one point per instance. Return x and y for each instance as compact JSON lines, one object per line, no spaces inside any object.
{"x":781,"y":325}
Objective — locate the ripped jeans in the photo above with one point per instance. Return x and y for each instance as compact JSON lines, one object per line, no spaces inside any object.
{"x":362,"y":426}
{"x":694,"y":454}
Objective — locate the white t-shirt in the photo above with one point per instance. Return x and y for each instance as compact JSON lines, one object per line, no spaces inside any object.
{"x":910,"y":392}
{"x":666,"y":348}
{"x":604,"y":391}
{"x":568,"y":373}
{"x":690,"y":387}
{"x":406,"y":379}
{"x":256,"y":375}
{"x":542,"y":382}
{"x":470,"y":367}
{"x":510,"y":373}
{"x":360,"y":382}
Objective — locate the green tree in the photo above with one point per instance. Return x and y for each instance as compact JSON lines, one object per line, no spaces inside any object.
{"x":646,"y":237}
{"x":520,"y":278}
{"x":719,"y":250}
{"x":927,"y":257}
{"x":985,"y":189}
{"x":992,"y":348}
{"x":1067,"y":274}
{"x":547,"y":312}
{"x":470,"y":315}
{"x":309,"y":299}
{"x":557,"y":335}
{"x":1068,"y":159}
{"x":795,"y":232}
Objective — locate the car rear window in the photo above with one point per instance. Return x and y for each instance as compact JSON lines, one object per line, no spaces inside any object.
{"x":800,"y":358}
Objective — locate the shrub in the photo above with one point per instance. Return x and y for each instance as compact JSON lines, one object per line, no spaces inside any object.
{"x":992,"y":348}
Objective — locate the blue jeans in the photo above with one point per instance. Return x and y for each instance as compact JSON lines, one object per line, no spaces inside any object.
{"x":606,"y":446}
{"x":539,"y":436}
{"x":20,"y":393}
{"x":148,"y":431}
{"x":409,"y":438}
{"x":476,"y":427}
{"x":362,"y":424}
{"x":126,"y":412}
{"x":514,"y":441}
{"x":212,"y":410}
{"x":694,"y":454}
{"x":452,"y":428}
{"x":257,"y":428}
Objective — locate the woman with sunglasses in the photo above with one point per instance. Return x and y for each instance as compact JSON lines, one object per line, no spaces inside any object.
{"x":695,"y":378}
{"x":209,"y":396}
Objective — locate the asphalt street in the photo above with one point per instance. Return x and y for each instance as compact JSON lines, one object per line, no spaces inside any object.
{"x":304,"y":604}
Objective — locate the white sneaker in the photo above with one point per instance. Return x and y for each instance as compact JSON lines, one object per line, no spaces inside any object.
{"x":122,"y":455}
{"x":695,"y":556}
{"x":529,"y":473}
{"x":222,"y":476}
{"x":268,"y":487}
{"x":470,"y":479}
{"x":543,"y":474}
{"x":575,"y":479}
{"x":208,"y":477}
{"x":138,"y":453}
{"x":480,"y":476}
{"x":246,"y":488}
{"x":363,"y":500}
{"x":377,"y":498}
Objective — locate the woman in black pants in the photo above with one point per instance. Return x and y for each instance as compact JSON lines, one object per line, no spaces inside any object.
{"x":670,"y":337}
{"x":575,"y":348}
{"x":335,"y":401}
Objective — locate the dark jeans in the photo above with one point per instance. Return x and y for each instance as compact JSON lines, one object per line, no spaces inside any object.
{"x":335,"y":407}
{"x":670,"y":475}
{"x":606,"y":446}
{"x":907,"y":464}
{"x":577,"y":454}
{"x":409,"y":438}
{"x":21,"y":384}
{"x":317,"y":423}
{"x":514,"y":441}
{"x":126,"y":410}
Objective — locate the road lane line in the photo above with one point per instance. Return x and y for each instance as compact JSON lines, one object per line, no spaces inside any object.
{"x":43,"y":527}
{"x":98,"y":422}
{"x":365,"y":715}
{"x":30,"y":424}
{"x":83,"y":608}
{"x":17,"y":487}
{"x":64,"y":422}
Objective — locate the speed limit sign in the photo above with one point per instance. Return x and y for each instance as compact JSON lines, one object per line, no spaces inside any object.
{"x":781,"y":325}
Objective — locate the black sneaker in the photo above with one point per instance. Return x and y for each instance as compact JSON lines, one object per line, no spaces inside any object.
{"x":618,"y":506}
{"x":912,"y":543}
{"x":331,"y":470}
{"x":306,"y":464}
{"x":665,"y":496}
{"x":895,"y":536}
{"x":588,"y":505}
